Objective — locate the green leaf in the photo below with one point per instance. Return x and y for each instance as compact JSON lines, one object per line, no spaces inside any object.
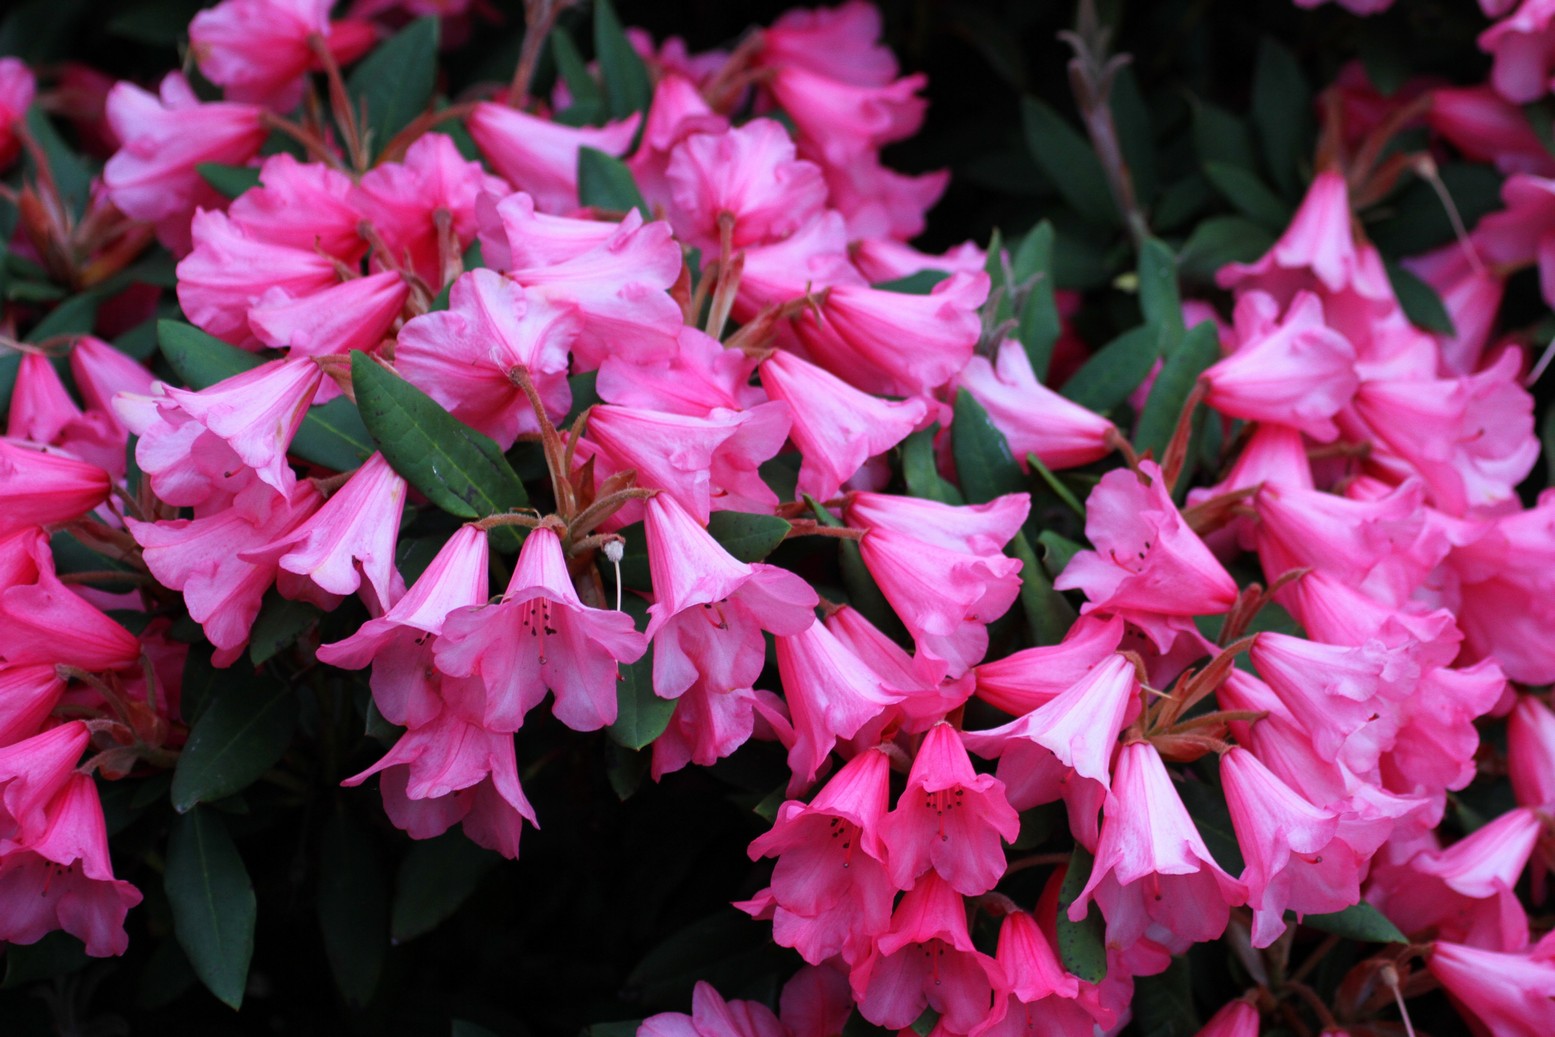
{"x":605,"y":183}
{"x":921,"y":471}
{"x":72,"y":175}
{"x":1040,"y":324}
{"x":74,"y":316}
{"x":748,"y":537}
{"x":333,"y":436}
{"x":1159,"y":300}
{"x":229,"y":180}
{"x":213,"y":903}
{"x":1116,"y":370}
{"x":1131,"y":117}
{"x":1358,"y":922}
{"x":1057,"y":550}
{"x":1282,"y":114}
{"x":1066,"y":157}
{"x":1163,"y":1003}
{"x":435,"y":878}
{"x":1421,"y":304}
{"x":1206,"y":804}
{"x":625,"y":77}
{"x":1219,"y":136}
{"x":240,"y":734}
{"x":1048,"y":612}
{"x":581,"y":84}
{"x":201,"y":360}
{"x":721,"y":949}
{"x":1248,"y":195}
{"x":394,"y":83}
{"x":1195,"y":352}
{"x":641,"y":716}
{"x":57,"y":954}
{"x":1220,"y":240}
{"x":984,"y":465}
{"x":353,"y":908}
{"x":1000,"y":308}
{"x":158,"y":23}
{"x":1081,"y":945}
{"x":920,"y":283}
{"x":280,"y":622}
{"x":459,"y":469}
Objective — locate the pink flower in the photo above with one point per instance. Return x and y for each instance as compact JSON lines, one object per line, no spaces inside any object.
{"x":846,"y":119}
{"x":879,"y":202}
{"x":1487,"y":127}
{"x":152,"y":176}
{"x":1523,"y":46}
{"x":462,"y":356}
{"x":1505,"y":591}
{"x":1530,"y":752}
{"x":540,"y":637}
{"x":836,"y":427}
{"x":1146,"y":557}
{"x":1035,"y":419}
{"x":45,"y":621}
{"x":61,"y":877}
{"x":812,"y":258}
{"x":676,"y":112}
{"x":539,"y":156}
{"x":829,"y":891}
{"x":354,"y":314}
{"x":17,"y":87}
{"x":1032,"y":677}
{"x":709,"y":609}
{"x":1237,"y":1019}
{"x":399,"y":644}
{"x":749,"y":176}
{"x":39,"y":486}
{"x":949,"y":819}
{"x":260,"y":51}
{"x":928,"y":694}
{"x":712,"y":1016}
{"x":303,"y":205}
{"x":1471,"y":293}
{"x":1295,"y":858}
{"x":346,"y":542}
{"x":1034,"y":984}
{"x":942,"y":567}
{"x":207,"y":559}
{"x":831,"y":694}
{"x":1508,"y":994}
{"x":926,"y":960}
{"x":841,"y":42}
{"x":1153,"y":876}
{"x":1296,"y":371}
{"x":32,"y":772}
{"x":884,"y":259}
{"x":700,"y":378}
{"x":27,"y":695}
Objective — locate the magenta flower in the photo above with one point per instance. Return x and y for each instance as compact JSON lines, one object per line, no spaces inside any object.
{"x":17,"y":87}
{"x":32,"y":772}
{"x":259,"y":49}
{"x":40,"y":487}
{"x":354,"y":314}
{"x":1530,"y":752}
{"x":1035,"y":419}
{"x":45,"y":621}
{"x":232,"y":266}
{"x":748,"y":175}
{"x":712,"y":1016}
{"x":1032,"y":677}
{"x":539,"y":156}
{"x":831,"y":694}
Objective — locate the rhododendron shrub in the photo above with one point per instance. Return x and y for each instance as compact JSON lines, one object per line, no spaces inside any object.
{"x":778,"y":523}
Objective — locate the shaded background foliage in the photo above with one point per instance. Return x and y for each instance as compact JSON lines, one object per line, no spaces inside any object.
{"x":362,"y":931}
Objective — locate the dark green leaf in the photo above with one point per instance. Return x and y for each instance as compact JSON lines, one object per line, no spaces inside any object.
{"x":605,"y":183}
{"x":621,"y":1029}
{"x":158,"y":23}
{"x":201,"y":360}
{"x":1000,"y":308}
{"x":333,"y":436}
{"x":1547,"y":437}
{"x":74,"y":316}
{"x":721,"y":949}
{"x":921,"y":471}
{"x":1066,"y":157}
{"x":1081,"y":945}
{"x":394,"y":83}
{"x":72,"y":176}
{"x":10,"y":365}
{"x":1056,"y":551}
{"x":1163,"y":1004}
{"x":1040,"y":324}
{"x":436,"y":877}
{"x":1207,"y":806}
{"x":1219,"y":136}
{"x":40,"y":31}
{"x":213,"y":903}
{"x":581,"y":84}
{"x":641,"y":716}
{"x":1183,"y":202}
{"x":1421,"y":304}
{"x":1282,"y":114}
{"x":1116,"y":370}
{"x":984,"y":465}
{"x":1220,"y":240}
{"x":1159,"y":300}
{"x":627,"y":89}
{"x":459,"y":469}
{"x":280,"y":622}
{"x":1415,"y":220}
{"x":229,"y":180}
{"x":353,"y":908}
{"x":240,"y":734}
{"x":1196,"y":351}
{"x":748,"y":537}
{"x":1048,"y":613}
{"x":1135,"y":136}
{"x":166,"y":976}
{"x":1358,"y":922}
{"x":921,"y":283}
{"x":1248,"y":195}
{"x":57,"y":954}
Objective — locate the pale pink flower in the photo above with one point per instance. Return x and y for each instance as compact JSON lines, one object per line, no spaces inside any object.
{"x":1033,"y":677}
{"x":831,"y":694}
{"x":231,"y":268}
{"x":352,"y":315}
{"x":748,"y":176}
{"x":540,"y":156}
{"x":700,"y":378}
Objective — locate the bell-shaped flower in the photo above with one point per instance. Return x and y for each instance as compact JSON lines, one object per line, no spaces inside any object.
{"x":841,"y":42}
{"x":32,"y":771}
{"x":892,"y":343}
{"x":707,"y":464}
{"x":452,"y":771}
{"x":712,"y":1016}
{"x":1033,"y":677}
{"x":399,"y":644}
{"x":709,"y":609}
{"x":830,"y":893}
{"x":677,"y":111}
{"x":231,"y":268}
{"x":700,"y":378}
{"x":17,"y":88}
{"x":926,"y":960}
{"x":1508,"y":994}
{"x":810,"y":259}
{"x":1530,"y":752}
{"x":1486,"y":127}
{"x":836,"y":427}
{"x":61,"y":877}
{"x":40,"y":486}
{"x":1034,"y":419}
{"x":831,"y":694}
{"x":1295,"y":859}
{"x":843,"y":119}
{"x":540,"y":637}
{"x":876,"y":200}
{"x":100,"y":372}
{"x":347,"y":544}
{"x":540,"y":156}
{"x":748,"y":176}
{"x":205,"y":559}
{"x":42,"y":412}
{"x":45,"y":621}
{"x":1237,"y":1019}
{"x":709,"y":724}
{"x":462,"y":356}
{"x":354,"y":314}
{"x":1471,"y":293}
{"x":302,"y":205}
{"x":928,"y":694}
{"x":28,"y":694}
{"x":1146,"y":557}
{"x":942,"y":567}
{"x":949,"y":819}
{"x":1505,"y":579}
{"x":260,"y":52}
{"x":1153,"y":875}
{"x":1037,"y":994}
{"x":1522,"y":45}
{"x":1293,"y":370}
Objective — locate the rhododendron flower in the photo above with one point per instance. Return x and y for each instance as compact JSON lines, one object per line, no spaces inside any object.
{"x":303,"y":205}
{"x":712,"y":1016}
{"x":747,"y":176}
{"x":539,"y":156}
{"x":842,"y":42}
{"x":928,"y":694}
{"x":540,"y":637}
{"x":1530,"y":752}
{"x":17,"y":87}
{"x":1471,"y":293}
{"x":700,"y":378}
{"x":32,"y":772}
{"x":27,"y":695}
{"x":831,"y":694}
{"x":1504,"y":593}
{"x":231,"y":268}
{"x":260,"y":50}
{"x":1146,"y":557}
{"x":812,"y":258}
{"x":45,"y":621}
{"x":1034,"y":985}
{"x":1237,"y":1019}
{"x":950,"y":819}
{"x":39,"y":487}
{"x":1523,"y":46}
{"x":1035,"y":419}
{"x":1487,"y":127}
{"x":1510,"y":994}
{"x":354,"y":314}
{"x":677,"y":111}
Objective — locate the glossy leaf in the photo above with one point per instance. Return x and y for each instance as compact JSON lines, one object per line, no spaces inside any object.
{"x":1066,"y":157}
{"x":1040,"y":324}
{"x":921,"y":471}
{"x":435,"y":878}
{"x":641,"y":716}
{"x":1116,"y":370}
{"x":1282,"y":114}
{"x":1081,"y":945}
{"x":1048,"y":613}
{"x":1421,"y":304}
{"x":1358,"y":922}
{"x":244,"y":729}
{"x":229,"y":180}
{"x":748,"y":537}
{"x":625,"y":77}
{"x":279,"y":624}
{"x":984,"y":465}
{"x":394,"y":83}
{"x":1220,"y":240}
{"x":605,"y":183}
{"x":1195,"y":352}
{"x":213,"y":903}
